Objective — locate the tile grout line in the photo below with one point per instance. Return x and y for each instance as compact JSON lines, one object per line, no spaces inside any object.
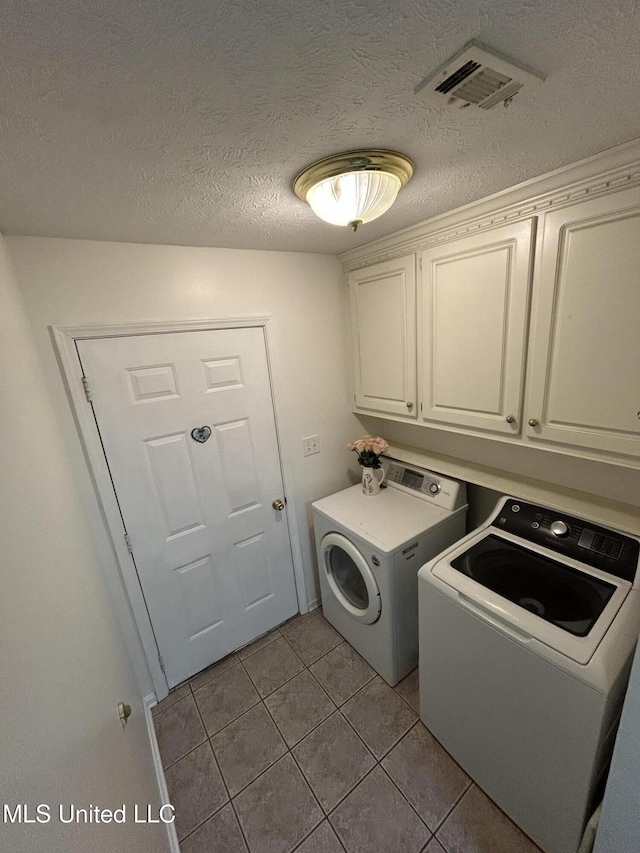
{"x":409,"y":803}
{"x":262,"y":701}
{"x":406,"y":701}
{"x":169,"y":707}
{"x":262,"y":698}
{"x":202,"y":823}
{"x":322,"y":808}
{"x":193,"y":749}
{"x":213,"y":675}
{"x":207,"y":739}
{"x":290,"y":748}
{"x":188,"y":681}
{"x":354,"y":786}
{"x":264,"y":769}
{"x":320,"y":685}
{"x":298,"y":846}
{"x":324,"y":654}
{"x":395,"y":743}
{"x":242,"y":833}
{"x":257,"y":640}
{"x":224,"y":781}
{"x":451,"y":811}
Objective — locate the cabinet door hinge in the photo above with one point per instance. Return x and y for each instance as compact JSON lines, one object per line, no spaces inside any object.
{"x":161,"y":662}
{"x":87,"y":390}
{"x":420,"y":262}
{"x":128,"y":541}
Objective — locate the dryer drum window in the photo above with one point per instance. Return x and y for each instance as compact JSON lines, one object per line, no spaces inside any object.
{"x":348,"y":578}
{"x":566,"y":597}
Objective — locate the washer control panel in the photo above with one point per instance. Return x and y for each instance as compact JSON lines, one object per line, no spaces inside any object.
{"x":589,"y":543}
{"x":449,"y":494}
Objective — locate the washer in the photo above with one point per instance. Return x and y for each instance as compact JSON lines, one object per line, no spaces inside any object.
{"x":527,"y":630}
{"x":370,"y":548}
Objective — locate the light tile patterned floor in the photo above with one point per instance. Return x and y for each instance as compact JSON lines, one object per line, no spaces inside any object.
{"x":294,"y":743}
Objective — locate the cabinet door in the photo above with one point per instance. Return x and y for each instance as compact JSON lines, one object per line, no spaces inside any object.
{"x":584,"y":386}
{"x":383,"y":311}
{"x":472,"y":318}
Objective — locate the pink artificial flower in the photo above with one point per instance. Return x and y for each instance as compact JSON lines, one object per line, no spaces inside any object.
{"x":369,"y":449}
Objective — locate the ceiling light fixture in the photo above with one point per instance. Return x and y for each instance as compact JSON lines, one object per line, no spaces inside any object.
{"x":354,"y":187}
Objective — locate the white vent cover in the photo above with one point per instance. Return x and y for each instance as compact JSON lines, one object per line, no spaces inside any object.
{"x":476,"y":77}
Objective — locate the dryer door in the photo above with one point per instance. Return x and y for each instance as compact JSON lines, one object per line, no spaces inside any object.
{"x":350,"y":579}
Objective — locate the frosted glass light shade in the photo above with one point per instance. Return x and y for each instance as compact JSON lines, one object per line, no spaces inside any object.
{"x":355,"y":197}
{"x":354,"y":187}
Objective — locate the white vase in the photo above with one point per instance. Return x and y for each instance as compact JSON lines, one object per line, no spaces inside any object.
{"x":371,"y":479}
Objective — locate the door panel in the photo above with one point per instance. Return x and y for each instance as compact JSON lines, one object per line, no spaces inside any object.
{"x":213,"y":557}
{"x":473,"y":303}
{"x":585,"y":360}
{"x":383,"y":299}
{"x":174,"y":485}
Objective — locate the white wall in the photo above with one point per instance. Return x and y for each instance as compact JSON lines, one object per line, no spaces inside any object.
{"x":64,"y":664}
{"x":73,"y":282}
{"x":619,"y":830}
{"x":613,"y":482}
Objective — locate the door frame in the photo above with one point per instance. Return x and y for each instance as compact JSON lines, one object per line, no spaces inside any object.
{"x":64,"y":339}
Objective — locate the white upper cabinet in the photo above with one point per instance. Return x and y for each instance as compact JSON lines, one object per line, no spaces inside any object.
{"x":383,"y":299}
{"x":472,"y":318}
{"x":584,"y":382}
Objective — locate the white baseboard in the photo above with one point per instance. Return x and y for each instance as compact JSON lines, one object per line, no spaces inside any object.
{"x":149,"y":702}
{"x":314,"y":604}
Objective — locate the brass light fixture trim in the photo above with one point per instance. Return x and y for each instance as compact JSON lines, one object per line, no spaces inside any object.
{"x":362,"y":160}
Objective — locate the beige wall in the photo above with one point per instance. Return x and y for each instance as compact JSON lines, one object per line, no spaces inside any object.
{"x":612,"y":482}
{"x":64,"y":665}
{"x":73,"y":282}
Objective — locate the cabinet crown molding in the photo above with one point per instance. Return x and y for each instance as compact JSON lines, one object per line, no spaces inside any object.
{"x":607,"y":172}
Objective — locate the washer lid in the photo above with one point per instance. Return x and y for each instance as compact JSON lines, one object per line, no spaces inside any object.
{"x":388,"y":520}
{"x":558,"y":593}
{"x":484,"y":591}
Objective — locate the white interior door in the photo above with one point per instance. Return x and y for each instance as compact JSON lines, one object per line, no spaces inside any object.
{"x":212,"y":555}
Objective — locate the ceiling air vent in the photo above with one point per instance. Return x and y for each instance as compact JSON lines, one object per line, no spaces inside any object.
{"x":476,"y":77}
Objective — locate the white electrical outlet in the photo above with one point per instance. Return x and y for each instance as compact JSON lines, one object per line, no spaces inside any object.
{"x":311,"y":445}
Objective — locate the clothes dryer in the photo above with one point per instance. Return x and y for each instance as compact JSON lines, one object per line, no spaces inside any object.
{"x":369,"y":550}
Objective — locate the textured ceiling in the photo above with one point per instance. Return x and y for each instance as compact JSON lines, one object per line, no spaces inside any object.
{"x":185,"y":121}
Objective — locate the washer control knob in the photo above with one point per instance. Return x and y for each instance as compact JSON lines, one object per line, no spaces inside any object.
{"x":559,"y":528}
{"x":434,"y":488}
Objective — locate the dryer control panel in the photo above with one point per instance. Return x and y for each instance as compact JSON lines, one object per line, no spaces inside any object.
{"x":441,"y":491}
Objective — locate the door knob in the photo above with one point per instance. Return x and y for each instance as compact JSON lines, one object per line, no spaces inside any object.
{"x":533,"y":422}
{"x":124,"y":712}
{"x":277,"y":504}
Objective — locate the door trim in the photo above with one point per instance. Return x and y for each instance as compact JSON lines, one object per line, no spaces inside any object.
{"x":124,"y":571}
